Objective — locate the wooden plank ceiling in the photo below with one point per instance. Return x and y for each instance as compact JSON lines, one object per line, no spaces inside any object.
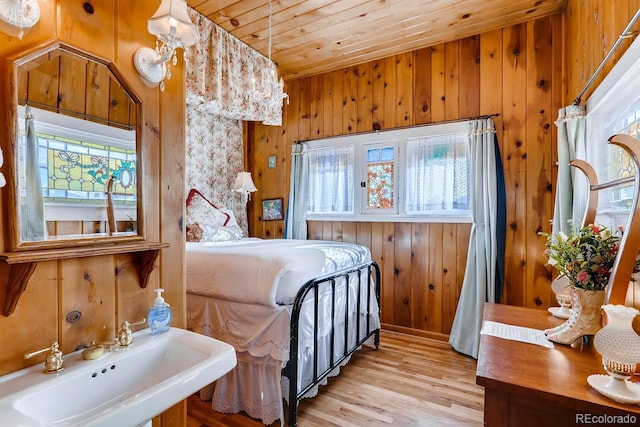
{"x":315,"y":36}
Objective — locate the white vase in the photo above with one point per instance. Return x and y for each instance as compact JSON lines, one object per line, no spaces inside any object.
{"x":619,"y":346}
{"x":560,"y":287}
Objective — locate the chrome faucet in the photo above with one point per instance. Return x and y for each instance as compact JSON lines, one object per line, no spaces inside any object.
{"x":53,"y":362}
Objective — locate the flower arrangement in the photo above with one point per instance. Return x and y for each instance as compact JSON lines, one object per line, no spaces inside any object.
{"x":586,"y":256}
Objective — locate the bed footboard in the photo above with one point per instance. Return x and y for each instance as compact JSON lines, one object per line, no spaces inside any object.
{"x":355,"y":278}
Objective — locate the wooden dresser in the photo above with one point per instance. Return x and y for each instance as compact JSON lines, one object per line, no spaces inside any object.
{"x":530,"y":385}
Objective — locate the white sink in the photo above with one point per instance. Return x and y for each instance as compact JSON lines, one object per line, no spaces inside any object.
{"x":126,"y":387}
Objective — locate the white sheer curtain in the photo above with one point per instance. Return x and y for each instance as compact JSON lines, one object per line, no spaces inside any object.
{"x":3,"y":181}
{"x":32,"y":226}
{"x":483,"y":264}
{"x":331,"y":180}
{"x":571,"y":188}
{"x":296,"y":219}
{"x":437,"y":173}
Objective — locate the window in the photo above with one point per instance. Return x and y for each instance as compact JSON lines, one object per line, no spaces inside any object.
{"x":381,"y":179}
{"x":438,"y":174}
{"x":75,"y":160}
{"x":415,"y":174}
{"x":614,"y":108}
{"x":331,"y":180}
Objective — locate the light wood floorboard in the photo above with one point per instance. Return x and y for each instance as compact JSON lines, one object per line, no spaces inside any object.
{"x":409,"y":381}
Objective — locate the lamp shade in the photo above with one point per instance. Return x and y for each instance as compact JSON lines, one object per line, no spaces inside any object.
{"x":244,"y":183}
{"x":618,"y":341}
{"x":172,"y":18}
{"x":619,"y":345}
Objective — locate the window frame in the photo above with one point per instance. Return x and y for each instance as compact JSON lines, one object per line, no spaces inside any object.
{"x":360,"y":192}
{"x":353,"y":201}
{"x":381,"y":138}
{"x":619,"y":87}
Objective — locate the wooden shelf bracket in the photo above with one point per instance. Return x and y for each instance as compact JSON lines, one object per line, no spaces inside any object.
{"x":21,"y":265}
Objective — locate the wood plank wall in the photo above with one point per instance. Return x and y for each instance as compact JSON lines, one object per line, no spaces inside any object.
{"x":524,"y":72}
{"x":104,"y":288}
{"x":423,"y":262}
{"x":516,"y":72}
{"x":592,"y":27}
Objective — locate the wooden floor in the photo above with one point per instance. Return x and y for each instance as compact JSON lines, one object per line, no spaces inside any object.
{"x":409,"y":381}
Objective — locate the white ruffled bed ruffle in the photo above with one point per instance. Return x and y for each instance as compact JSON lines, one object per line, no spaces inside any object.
{"x":249,"y":387}
{"x":261,"y":336}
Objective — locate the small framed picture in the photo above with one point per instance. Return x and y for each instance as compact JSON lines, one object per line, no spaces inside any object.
{"x":272,"y":161}
{"x":272,"y":209}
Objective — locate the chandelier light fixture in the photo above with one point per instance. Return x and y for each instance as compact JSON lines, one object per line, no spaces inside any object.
{"x":174,"y":30}
{"x":18,"y":16}
{"x":269,"y":90}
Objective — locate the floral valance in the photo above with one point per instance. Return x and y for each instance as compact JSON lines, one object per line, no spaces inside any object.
{"x":222,"y":74}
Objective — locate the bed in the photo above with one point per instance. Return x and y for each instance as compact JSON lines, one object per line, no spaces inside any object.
{"x":294,"y":310}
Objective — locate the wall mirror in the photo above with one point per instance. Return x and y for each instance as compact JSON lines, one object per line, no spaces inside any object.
{"x":76,"y":160}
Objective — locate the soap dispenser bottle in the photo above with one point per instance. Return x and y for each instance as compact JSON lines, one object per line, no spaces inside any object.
{"x":159,"y":315}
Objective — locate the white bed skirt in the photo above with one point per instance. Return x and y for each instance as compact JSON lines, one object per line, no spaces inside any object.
{"x":255,"y":385}
{"x":252,"y":386}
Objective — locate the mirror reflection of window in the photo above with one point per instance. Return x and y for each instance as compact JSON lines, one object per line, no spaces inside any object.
{"x":75,"y":159}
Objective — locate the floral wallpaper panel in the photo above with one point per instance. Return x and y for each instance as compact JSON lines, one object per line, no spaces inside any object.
{"x":213,"y":159}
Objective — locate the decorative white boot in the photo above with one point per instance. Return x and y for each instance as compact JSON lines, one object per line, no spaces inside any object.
{"x":584,"y":319}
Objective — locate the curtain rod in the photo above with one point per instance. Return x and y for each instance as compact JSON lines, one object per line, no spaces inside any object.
{"x":614,"y":183}
{"x":626,"y":33}
{"x":444,"y":122}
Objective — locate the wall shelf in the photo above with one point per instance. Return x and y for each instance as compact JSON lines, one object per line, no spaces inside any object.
{"x":23,"y":264}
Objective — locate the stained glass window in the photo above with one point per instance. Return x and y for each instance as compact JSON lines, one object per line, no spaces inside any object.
{"x":380,"y":178}
{"x":77,"y":171}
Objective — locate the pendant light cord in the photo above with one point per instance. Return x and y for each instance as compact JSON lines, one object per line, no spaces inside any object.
{"x":269,"y":30}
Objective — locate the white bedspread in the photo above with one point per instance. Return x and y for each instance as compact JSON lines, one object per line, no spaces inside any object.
{"x":241,"y":292}
{"x":266,"y":272}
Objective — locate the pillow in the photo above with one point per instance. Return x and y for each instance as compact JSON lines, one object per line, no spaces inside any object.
{"x":221,"y":234}
{"x":198,"y":233}
{"x":202,"y":216}
{"x":232,"y":218}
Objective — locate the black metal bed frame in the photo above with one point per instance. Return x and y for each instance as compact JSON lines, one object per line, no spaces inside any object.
{"x":291,"y":368}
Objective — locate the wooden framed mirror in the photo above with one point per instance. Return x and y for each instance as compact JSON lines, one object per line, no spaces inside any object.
{"x":73,"y":167}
